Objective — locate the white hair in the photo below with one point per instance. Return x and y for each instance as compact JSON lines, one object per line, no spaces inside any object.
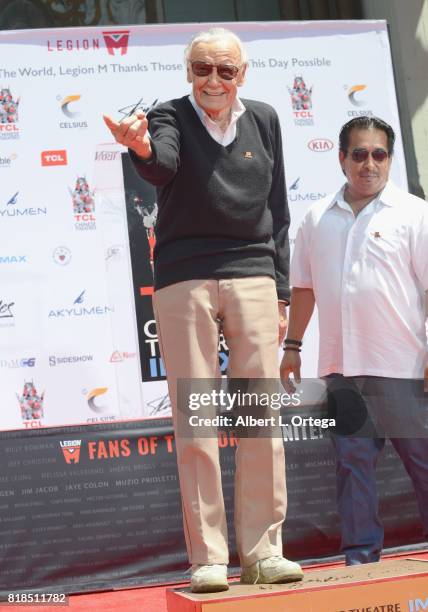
{"x":212,"y":35}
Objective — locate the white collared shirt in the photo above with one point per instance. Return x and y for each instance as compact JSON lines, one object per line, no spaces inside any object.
{"x":214,"y":130}
{"x":369,"y":275}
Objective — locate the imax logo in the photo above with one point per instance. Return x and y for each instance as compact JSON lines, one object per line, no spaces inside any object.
{"x":13,"y":259}
{"x":418,"y":604}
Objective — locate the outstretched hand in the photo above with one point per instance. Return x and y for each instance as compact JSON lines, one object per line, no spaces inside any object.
{"x":132,"y":133}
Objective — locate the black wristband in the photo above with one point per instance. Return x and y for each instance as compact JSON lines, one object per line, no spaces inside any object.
{"x":292,"y":348}
{"x":294,"y":342}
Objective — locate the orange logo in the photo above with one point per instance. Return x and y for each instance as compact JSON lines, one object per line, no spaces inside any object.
{"x":54,"y":158}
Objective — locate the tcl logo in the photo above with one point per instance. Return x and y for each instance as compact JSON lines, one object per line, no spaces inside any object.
{"x":319,"y":145}
{"x":54,"y":158}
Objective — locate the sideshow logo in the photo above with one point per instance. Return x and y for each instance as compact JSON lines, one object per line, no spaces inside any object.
{"x":6,"y":162}
{"x":12,"y":259}
{"x":83,"y":205}
{"x":294,"y":195}
{"x":98,"y":407}
{"x":301,"y":101}
{"x":26,"y":362}
{"x":320,"y":145}
{"x":8,"y":115}
{"x":355,"y":99}
{"x":71,"y":450}
{"x":114,"y":41}
{"x":67,"y":104}
{"x":69,"y":359}
{"x":118,"y":356}
{"x":80,"y":311}
{"x":12,"y":210}
{"x":418,"y":604}
{"x":62,"y":255}
{"x":54,"y":158}
{"x":31,"y":404}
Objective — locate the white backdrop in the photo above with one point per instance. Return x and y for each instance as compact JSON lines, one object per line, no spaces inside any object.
{"x":68,"y":341}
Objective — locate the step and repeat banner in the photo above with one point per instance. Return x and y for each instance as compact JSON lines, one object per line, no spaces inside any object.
{"x":89,"y":483}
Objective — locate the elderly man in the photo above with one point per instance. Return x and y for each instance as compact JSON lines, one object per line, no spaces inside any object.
{"x":361,"y":255}
{"x":221,"y":259}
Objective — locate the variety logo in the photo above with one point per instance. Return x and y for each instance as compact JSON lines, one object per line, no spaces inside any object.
{"x":92,"y":396}
{"x":320,"y":145}
{"x":71,"y":450}
{"x":8,"y":115}
{"x":6,"y":162}
{"x":117,"y":40}
{"x":54,"y":158}
{"x":12,"y":259}
{"x":107,"y":155}
{"x":31,"y":403}
{"x":83,"y":205}
{"x":26,"y":362}
{"x":301,"y":101}
{"x":114,"y":41}
{"x":62,"y":255}
{"x":354,"y":96}
{"x":12,"y":210}
{"x":69,"y":359}
{"x":118,"y":356}
{"x":294,"y":194}
{"x":79,"y":309}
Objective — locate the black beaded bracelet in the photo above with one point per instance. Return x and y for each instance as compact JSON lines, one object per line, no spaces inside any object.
{"x":292,"y":348}
{"x":291,"y":341}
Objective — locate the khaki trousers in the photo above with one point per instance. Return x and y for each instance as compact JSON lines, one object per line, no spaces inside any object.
{"x":187,"y":316}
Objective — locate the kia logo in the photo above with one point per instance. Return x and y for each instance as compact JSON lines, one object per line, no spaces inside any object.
{"x":319,"y":145}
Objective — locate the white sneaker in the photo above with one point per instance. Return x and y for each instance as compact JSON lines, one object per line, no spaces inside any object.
{"x":271,"y":571}
{"x":208,"y":578}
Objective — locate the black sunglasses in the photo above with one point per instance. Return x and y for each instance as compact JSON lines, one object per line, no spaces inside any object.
{"x":361,"y":155}
{"x":227,"y":72}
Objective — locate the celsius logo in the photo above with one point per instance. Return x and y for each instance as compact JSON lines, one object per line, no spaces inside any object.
{"x":71,"y":450}
{"x":62,"y":255}
{"x":320,"y":145}
{"x":65,"y":103}
{"x":116,"y":40}
{"x":92,"y":395}
{"x":54,"y":158}
{"x":301,"y":101}
{"x":352,"y":94}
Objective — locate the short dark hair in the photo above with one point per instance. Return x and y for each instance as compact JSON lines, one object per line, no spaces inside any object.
{"x":365,"y":123}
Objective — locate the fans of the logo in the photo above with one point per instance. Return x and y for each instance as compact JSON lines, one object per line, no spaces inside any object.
{"x":8,"y":107}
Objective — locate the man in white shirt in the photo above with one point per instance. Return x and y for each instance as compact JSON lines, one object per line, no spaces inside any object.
{"x":362,"y":257}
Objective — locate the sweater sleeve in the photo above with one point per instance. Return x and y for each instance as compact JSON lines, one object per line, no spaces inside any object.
{"x":161,"y":168}
{"x":280,"y":215}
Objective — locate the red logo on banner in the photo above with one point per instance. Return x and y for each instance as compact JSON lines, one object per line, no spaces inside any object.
{"x":71,"y":450}
{"x":116,"y":40}
{"x":54,"y":158}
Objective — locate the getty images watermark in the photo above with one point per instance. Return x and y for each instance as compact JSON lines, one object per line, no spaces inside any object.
{"x":250,"y":407}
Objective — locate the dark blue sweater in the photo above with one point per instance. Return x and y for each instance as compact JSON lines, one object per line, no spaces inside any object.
{"x":223,"y":211}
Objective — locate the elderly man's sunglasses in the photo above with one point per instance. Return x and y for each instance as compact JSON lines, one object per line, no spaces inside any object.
{"x":227,"y":72}
{"x":361,"y":155}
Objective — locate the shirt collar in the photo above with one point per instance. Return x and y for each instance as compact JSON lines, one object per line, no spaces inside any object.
{"x":237,"y":110}
{"x":387,"y":196}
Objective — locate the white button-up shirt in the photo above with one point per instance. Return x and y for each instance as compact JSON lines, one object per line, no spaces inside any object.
{"x":369,"y":275}
{"x":214,"y":130}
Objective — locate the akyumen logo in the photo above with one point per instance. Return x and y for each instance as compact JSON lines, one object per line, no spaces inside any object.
{"x":71,"y":450}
